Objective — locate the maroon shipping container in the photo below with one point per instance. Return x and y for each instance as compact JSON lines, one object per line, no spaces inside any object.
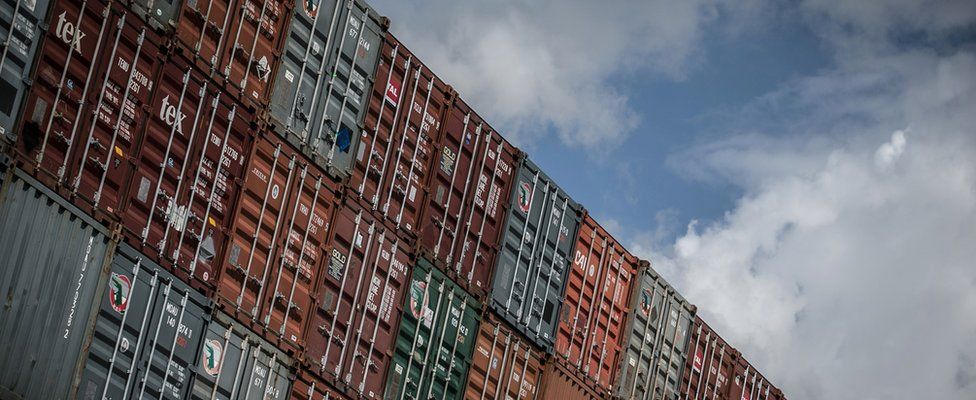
{"x":308,"y":386}
{"x":273,"y":259}
{"x":402,"y":129}
{"x":86,"y":112}
{"x":469,"y":188}
{"x":504,"y":365}
{"x":591,"y":326}
{"x":185,"y":184}
{"x":716,"y":370}
{"x":238,"y":41}
{"x":353,"y":328}
{"x":559,"y":383}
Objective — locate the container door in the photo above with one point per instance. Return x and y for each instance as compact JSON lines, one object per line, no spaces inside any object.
{"x":21,"y":32}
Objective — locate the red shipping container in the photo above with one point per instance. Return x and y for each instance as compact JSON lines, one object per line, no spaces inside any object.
{"x":504,"y":364}
{"x":466,"y":207}
{"x":184,"y":188}
{"x":594,"y":312}
{"x":402,"y":129}
{"x":559,"y":383}
{"x":308,"y":386}
{"x":273,"y":260}
{"x":715,"y":369}
{"x":353,"y":328}
{"x":238,"y":41}
{"x":86,"y":113}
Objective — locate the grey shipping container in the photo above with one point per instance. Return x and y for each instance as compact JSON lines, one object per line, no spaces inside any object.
{"x":20,"y":31}
{"x":147,"y":335}
{"x":539,"y":238}
{"x":655,"y":341}
{"x":322,"y":88}
{"x":235,"y":363}
{"x":52,"y":263}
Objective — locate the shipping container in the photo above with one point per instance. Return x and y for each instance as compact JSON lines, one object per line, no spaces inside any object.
{"x":185,"y":184}
{"x":504,"y":365}
{"x":401,"y":136}
{"x":274,"y":257}
{"x":594,"y":314}
{"x":534,"y":260}
{"x":353,"y":327}
{"x":560,"y":383}
{"x":436,"y":338}
{"x":325,"y":78}
{"x":656,"y":339}
{"x":715,"y":369}
{"x":470,"y":185}
{"x":239,"y":43}
{"x":147,"y":335}
{"x":85,"y":113}
{"x":21,"y":26}
{"x":309,"y":386}
{"x":52,"y":265}
{"x":158,"y":14}
{"x":237,"y":364}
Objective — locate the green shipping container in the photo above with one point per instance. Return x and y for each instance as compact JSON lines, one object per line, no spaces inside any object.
{"x":437,"y":334}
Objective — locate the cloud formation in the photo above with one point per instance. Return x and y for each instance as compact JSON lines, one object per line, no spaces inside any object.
{"x":537,"y":67}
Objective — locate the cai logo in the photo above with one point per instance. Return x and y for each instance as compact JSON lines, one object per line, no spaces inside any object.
{"x":418,"y":298}
{"x":524,"y":197}
{"x":212,"y":356}
{"x":645,"y":302}
{"x":119,"y":287}
{"x":310,"y":8}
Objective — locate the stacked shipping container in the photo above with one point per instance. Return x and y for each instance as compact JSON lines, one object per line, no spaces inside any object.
{"x":262,"y":199}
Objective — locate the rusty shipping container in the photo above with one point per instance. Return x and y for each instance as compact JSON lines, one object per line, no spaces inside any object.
{"x":85,"y":113}
{"x":504,"y":365}
{"x":436,"y":338}
{"x":656,"y":339}
{"x":534,"y":260}
{"x":53,"y":263}
{"x":21,"y":28}
{"x":326,"y":76}
{"x":147,"y":335}
{"x":309,"y":386}
{"x":470,"y":184}
{"x":402,"y":133}
{"x":274,"y":256}
{"x":238,"y":42}
{"x":560,"y":383}
{"x":184,"y":187}
{"x":591,"y":326}
{"x":715,"y":369}
{"x":236,"y":364}
{"x":353,"y":326}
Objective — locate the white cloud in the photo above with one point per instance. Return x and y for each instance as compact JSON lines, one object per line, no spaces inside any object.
{"x":889,"y":152}
{"x":553,"y":65}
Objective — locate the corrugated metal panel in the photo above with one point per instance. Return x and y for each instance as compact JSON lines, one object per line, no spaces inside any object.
{"x":236,"y":364}
{"x":436,"y":338}
{"x":353,"y":328}
{"x":468,"y":197}
{"x":326,"y":75}
{"x":308,"y":386}
{"x":656,"y":339}
{"x":504,"y":365}
{"x":534,"y":260}
{"x":159,"y":14}
{"x":84,"y":115}
{"x":52,"y":266}
{"x":147,"y":335}
{"x":20,"y":31}
{"x":559,"y":383}
{"x":281,"y":190}
{"x":182,"y":193}
{"x":591,"y":327}
{"x":397,"y":150}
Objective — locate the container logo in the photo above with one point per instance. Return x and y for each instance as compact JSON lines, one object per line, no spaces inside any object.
{"x":69,"y":33}
{"x":171,"y":115}
{"x":310,"y":8}
{"x":393,"y":92}
{"x":212,"y":356}
{"x":418,"y":298}
{"x":524,"y":197}
{"x":118,"y":292}
{"x":645,"y":302}
{"x":697,"y":364}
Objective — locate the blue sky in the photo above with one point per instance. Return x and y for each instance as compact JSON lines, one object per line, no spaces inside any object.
{"x":802,"y":171}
